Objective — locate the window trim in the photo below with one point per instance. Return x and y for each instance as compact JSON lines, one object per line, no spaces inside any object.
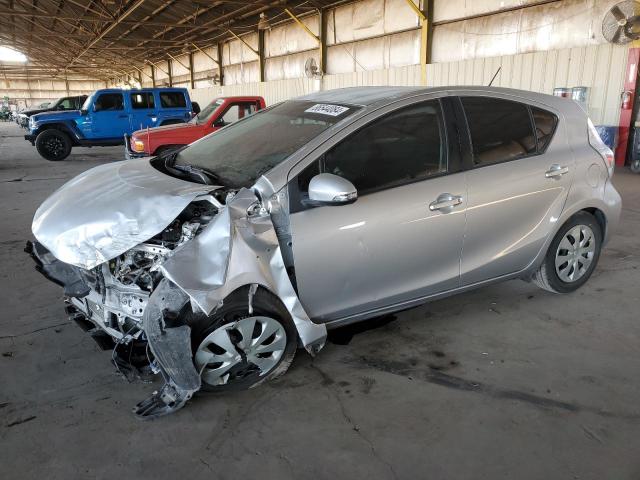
{"x":452,"y":151}
{"x":467,"y":142}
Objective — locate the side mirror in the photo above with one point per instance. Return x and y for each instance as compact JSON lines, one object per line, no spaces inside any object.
{"x":219,"y":123}
{"x":330,"y":189}
{"x":84,"y":112}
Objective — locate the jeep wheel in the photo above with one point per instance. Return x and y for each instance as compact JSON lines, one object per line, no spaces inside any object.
{"x":53,"y":145}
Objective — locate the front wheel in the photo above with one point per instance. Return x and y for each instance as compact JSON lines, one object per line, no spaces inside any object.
{"x":53,"y":145}
{"x":572,"y":255}
{"x":235,"y":349}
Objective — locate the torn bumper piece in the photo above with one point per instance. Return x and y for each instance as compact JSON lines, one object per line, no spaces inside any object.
{"x":170,"y":342}
{"x":67,"y":276}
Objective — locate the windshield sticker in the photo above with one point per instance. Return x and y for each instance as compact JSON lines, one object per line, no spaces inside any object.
{"x":326,"y":109}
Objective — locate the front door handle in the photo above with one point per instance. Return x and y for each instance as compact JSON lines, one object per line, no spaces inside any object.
{"x":445,"y":202}
{"x":556,"y":171}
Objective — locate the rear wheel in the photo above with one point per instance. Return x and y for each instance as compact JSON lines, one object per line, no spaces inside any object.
{"x":235,"y":350}
{"x":572,"y":255}
{"x":53,"y":145}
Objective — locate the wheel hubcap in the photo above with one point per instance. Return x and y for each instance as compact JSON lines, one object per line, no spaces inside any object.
{"x":250,"y":346}
{"x":54,"y":146}
{"x":575,"y":253}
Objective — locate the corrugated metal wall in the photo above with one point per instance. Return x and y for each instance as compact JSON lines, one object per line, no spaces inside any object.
{"x":599,"y":67}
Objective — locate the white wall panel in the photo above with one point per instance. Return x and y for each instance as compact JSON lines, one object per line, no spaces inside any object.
{"x":291,"y":37}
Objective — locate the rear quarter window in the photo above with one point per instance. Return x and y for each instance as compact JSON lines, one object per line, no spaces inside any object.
{"x":546,"y":123}
{"x":172,"y":100}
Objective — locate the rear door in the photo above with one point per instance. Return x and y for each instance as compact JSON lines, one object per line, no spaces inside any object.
{"x":109,"y":118}
{"x":399,"y":241}
{"x":520,"y":169}
{"x":143,"y":112}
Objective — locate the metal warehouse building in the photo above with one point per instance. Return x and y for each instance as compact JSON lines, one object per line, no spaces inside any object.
{"x":425,"y":212}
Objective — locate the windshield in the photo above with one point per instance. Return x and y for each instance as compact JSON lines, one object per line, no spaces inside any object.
{"x":87,"y":103}
{"x":239,"y":154}
{"x":206,"y":113}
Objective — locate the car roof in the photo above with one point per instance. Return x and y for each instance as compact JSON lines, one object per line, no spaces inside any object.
{"x":368,"y":96}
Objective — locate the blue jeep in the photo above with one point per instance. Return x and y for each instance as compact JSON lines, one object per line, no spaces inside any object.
{"x":106,"y":116}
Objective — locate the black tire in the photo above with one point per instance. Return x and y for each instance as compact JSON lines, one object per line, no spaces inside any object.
{"x":547,"y":278}
{"x":53,"y":145}
{"x":235,"y":307}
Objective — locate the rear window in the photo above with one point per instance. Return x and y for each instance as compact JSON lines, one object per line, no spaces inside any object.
{"x":501,"y":130}
{"x":142,"y":100}
{"x":172,"y":100}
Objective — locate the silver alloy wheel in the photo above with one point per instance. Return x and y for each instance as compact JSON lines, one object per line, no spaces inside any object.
{"x":575,"y":253}
{"x":252,"y":344}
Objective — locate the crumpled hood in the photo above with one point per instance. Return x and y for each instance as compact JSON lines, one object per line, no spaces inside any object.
{"x":109,"y":209}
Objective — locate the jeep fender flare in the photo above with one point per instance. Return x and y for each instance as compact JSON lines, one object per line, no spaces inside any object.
{"x":73,"y":134}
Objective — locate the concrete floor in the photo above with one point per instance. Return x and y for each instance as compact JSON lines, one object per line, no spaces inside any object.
{"x":504,"y":382}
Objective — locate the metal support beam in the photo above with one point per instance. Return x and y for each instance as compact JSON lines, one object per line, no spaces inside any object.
{"x":191,"y":79}
{"x":177,"y":61}
{"x":220,"y":63}
{"x":425,"y":17}
{"x":153,"y":76}
{"x":322,"y":39}
{"x":261,"y":54}
{"x":170,"y":72}
{"x":245,"y":43}
{"x":217,"y":62}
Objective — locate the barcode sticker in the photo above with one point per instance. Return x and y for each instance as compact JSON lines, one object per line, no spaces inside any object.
{"x":327,"y":109}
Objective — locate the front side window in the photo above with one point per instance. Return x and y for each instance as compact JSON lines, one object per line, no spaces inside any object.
{"x":403,"y":147}
{"x":501,"y":130}
{"x":240,"y":154}
{"x":142,"y":100}
{"x":172,"y":100}
{"x":109,"y":102}
{"x":237,"y":111}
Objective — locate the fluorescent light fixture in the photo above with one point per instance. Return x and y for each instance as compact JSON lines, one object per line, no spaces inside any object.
{"x":10,"y":55}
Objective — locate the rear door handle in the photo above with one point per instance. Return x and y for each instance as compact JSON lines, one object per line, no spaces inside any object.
{"x":445,"y":202}
{"x":556,"y":171}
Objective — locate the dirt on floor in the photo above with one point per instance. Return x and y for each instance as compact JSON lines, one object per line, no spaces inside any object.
{"x":504,"y":382}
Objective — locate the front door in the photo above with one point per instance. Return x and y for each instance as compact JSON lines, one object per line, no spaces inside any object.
{"x":402,"y":238}
{"x":109,"y":118}
{"x":518,"y":181}
{"x":143,"y":111}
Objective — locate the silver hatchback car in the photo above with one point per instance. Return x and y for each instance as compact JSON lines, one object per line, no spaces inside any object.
{"x":211,"y":265}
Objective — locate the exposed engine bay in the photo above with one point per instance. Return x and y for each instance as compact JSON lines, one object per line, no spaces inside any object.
{"x":137,"y":294}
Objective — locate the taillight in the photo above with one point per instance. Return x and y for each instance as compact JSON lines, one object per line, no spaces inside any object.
{"x":599,"y":146}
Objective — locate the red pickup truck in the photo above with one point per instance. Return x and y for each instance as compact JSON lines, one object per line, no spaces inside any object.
{"x":219,"y":113}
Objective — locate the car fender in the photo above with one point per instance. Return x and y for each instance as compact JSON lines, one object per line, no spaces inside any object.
{"x":66,"y":126}
{"x":237,"y":249}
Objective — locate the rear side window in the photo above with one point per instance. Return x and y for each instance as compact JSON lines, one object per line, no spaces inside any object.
{"x":109,"y":101}
{"x":172,"y":100}
{"x":142,"y":100}
{"x":545,"y":123}
{"x":501,"y":130}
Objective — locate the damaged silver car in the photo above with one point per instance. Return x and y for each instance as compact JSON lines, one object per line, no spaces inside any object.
{"x":213,"y":264}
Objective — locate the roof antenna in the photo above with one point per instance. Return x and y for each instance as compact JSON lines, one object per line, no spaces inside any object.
{"x":495,"y":75}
